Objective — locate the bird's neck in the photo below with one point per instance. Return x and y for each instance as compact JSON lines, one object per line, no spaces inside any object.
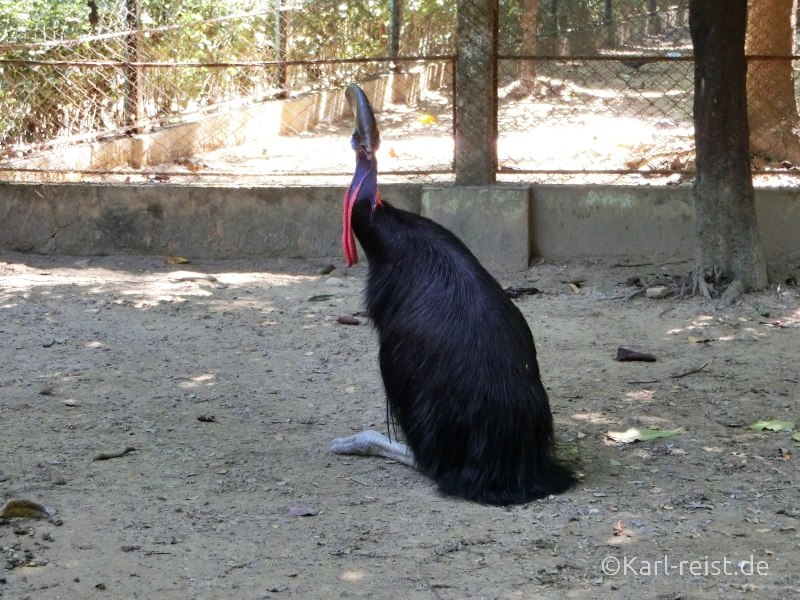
{"x":367,"y":204}
{"x":365,"y":182}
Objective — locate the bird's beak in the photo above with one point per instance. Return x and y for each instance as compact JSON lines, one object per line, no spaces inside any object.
{"x":365,"y":141}
{"x":365,"y":132}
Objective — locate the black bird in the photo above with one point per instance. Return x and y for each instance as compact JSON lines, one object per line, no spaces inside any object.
{"x":456,"y":355}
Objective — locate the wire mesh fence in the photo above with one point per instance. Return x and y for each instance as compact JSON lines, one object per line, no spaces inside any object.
{"x":251,"y":91}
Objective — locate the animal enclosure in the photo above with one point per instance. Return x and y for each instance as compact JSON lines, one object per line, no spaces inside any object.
{"x":250,"y":92}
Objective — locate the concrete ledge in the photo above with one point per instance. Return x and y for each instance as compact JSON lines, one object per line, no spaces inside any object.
{"x":494,"y":222}
{"x":504,"y":225}
{"x":569,"y":222}
{"x":208,"y":222}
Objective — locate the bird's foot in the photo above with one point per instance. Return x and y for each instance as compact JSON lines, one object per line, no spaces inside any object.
{"x":372,"y":443}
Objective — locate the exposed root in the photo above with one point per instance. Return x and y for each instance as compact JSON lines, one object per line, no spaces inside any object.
{"x":700,"y":286}
{"x":733,"y":292}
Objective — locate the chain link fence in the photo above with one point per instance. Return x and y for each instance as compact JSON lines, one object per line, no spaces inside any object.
{"x":251,"y":91}
{"x":603,"y":90}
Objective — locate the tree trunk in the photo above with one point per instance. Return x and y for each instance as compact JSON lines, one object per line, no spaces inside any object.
{"x":772,"y":108}
{"x":728,"y":242}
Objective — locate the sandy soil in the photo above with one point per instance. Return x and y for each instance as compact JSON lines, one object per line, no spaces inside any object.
{"x":102,"y":353}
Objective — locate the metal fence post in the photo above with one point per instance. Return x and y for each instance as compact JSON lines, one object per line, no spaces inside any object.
{"x":476,"y":92}
{"x":133,"y":83}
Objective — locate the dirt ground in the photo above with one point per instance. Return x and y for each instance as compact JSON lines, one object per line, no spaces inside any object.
{"x":104,"y":353}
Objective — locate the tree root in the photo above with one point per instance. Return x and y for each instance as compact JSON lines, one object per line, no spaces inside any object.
{"x":700,"y":285}
{"x":733,"y":292}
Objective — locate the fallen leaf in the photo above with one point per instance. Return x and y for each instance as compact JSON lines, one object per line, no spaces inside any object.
{"x":392,"y":153}
{"x":696,"y":340}
{"x":221,"y":471}
{"x":176,"y":260}
{"x":643,"y":435}
{"x":426,"y":119}
{"x":320,"y":298}
{"x":614,"y":462}
{"x":796,"y":437}
{"x":19,"y":508}
{"x":575,"y":289}
{"x":207,"y":419}
{"x":772,"y":426}
{"x":619,"y":528}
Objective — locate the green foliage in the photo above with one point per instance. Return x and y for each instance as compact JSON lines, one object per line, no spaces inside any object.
{"x":46,"y":102}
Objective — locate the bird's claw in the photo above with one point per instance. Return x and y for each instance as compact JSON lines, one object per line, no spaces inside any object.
{"x":372,"y":443}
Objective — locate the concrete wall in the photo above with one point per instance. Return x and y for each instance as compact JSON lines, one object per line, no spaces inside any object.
{"x":562,"y":222}
{"x":202,"y":222}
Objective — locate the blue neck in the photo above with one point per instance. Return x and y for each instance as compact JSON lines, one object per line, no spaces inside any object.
{"x":367,"y":175}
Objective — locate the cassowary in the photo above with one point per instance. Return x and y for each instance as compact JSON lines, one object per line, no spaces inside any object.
{"x":456,"y":355}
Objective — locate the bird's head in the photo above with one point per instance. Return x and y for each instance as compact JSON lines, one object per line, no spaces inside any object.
{"x":364,"y":188}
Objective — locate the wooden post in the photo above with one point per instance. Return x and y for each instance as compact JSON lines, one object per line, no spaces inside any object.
{"x":608,"y":23}
{"x":133,"y":82}
{"x":280,"y":44}
{"x":476,"y":92}
{"x":653,"y":18}
{"x":395,"y":21}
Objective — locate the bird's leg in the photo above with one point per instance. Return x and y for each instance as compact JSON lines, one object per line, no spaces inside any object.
{"x":372,"y":443}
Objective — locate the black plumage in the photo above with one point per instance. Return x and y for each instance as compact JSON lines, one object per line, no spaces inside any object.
{"x":457,"y":357}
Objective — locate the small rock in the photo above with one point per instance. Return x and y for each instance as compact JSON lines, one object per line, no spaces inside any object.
{"x":327,"y":270}
{"x":347,"y":320}
{"x":334,"y":281}
{"x":82,"y":264}
{"x":48,"y":537}
{"x":337,"y":273}
{"x":657,"y":292}
{"x":49,"y":342}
